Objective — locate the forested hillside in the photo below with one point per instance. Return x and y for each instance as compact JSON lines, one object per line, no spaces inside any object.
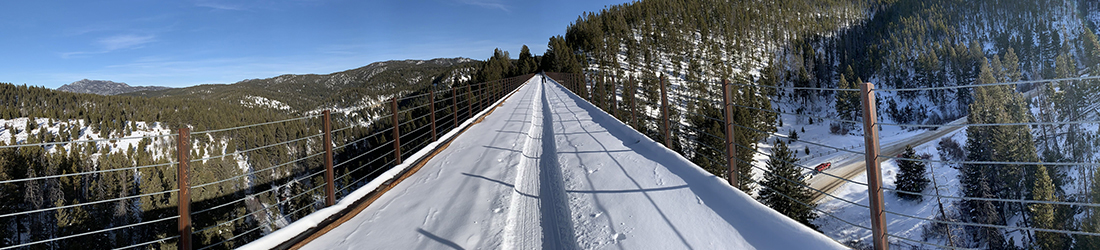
{"x":893,"y":44}
{"x":696,"y":44}
{"x":251,"y":180}
{"x":350,"y":88}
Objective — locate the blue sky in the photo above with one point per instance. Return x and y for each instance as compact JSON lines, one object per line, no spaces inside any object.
{"x":184,"y":43}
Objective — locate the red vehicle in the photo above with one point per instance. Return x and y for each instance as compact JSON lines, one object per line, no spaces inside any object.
{"x":823,"y":166}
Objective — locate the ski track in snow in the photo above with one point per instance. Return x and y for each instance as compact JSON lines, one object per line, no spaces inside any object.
{"x":547,"y":170}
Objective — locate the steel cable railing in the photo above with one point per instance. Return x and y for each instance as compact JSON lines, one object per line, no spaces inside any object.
{"x":85,"y":141}
{"x":257,"y":148}
{"x":90,"y":233}
{"x":419,"y":135}
{"x":647,"y":105}
{"x":254,"y":125}
{"x":88,"y":203}
{"x":149,"y":242}
{"x":88,"y":172}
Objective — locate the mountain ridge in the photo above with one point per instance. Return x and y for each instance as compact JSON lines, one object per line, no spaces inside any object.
{"x":338,"y":89}
{"x":105,"y":87}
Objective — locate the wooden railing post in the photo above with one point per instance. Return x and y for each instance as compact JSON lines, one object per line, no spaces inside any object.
{"x":664,"y":113}
{"x":396,"y":133}
{"x":330,"y":180}
{"x":874,"y":172}
{"x":183,"y":148}
{"x":432,"y":110}
{"x":731,"y":148}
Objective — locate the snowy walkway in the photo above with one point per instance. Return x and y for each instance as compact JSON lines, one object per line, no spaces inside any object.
{"x":593,"y":183}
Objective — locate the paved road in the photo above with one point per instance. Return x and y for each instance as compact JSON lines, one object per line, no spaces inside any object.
{"x":855,"y":164}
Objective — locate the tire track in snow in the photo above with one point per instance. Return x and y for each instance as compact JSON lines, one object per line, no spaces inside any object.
{"x":539,"y":216}
{"x":522,"y":226}
{"x":557,"y":224}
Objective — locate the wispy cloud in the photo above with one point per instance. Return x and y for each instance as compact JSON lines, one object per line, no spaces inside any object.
{"x":490,"y":4}
{"x":113,"y":43}
{"x":220,"y":5}
{"x":125,"y":41}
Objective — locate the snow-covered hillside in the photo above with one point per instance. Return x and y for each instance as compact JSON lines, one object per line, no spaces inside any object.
{"x":15,"y":130}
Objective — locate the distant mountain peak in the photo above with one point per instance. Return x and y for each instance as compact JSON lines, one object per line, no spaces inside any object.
{"x":104,"y":87}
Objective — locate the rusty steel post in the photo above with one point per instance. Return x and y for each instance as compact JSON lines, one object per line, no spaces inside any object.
{"x":664,"y":113}
{"x":330,"y":180}
{"x":182,"y":150}
{"x":614,"y":104}
{"x":469,"y":102}
{"x":633,"y":103}
{"x":591,"y":91}
{"x":454,"y":107}
{"x":601,"y":86}
{"x":396,"y":133}
{"x":582,"y":81}
{"x":731,"y":148}
{"x":874,"y":172}
{"x":432,"y":110}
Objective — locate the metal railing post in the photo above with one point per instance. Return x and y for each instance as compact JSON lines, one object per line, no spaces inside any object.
{"x":396,"y":133}
{"x":330,"y":180}
{"x":182,"y":150}
{"x":633,"y":103}
{"x":591,"y":90}
{"x":469,"y":101}
{"x":454,"y":107}
{"x":664,"y":113}
{"x":613,"y":106}
{"x":731,"y":148}
{"x":874,"y":172}
{"x":432,"y":110}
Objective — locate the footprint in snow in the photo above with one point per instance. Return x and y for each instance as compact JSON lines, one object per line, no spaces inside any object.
{"x":618,"y":236}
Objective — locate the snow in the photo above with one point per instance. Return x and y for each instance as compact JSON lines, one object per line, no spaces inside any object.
{"x":549,"y":170}
{"x":20,"y":133}
{"x":947,"y":185}
{"x":258,"y":101}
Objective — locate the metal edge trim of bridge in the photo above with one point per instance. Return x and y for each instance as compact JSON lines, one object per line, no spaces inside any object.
{"x":338,"y":218}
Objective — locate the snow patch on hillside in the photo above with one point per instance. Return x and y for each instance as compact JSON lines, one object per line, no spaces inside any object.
{"x":17,"y":129}
{"x":258,"y":101}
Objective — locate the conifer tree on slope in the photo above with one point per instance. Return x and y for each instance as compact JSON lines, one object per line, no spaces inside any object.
{"x":1091,"y":222}
{"x":911,"y":175}
{"x":974,"y":178}
{"x":996,"y":104}
{"x":1043,"y":214}
{"x":784,"y":191}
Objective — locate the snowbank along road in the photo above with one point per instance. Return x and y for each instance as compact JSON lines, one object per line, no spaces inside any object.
{"x":548,"y":170}
{"x":855,"y":164}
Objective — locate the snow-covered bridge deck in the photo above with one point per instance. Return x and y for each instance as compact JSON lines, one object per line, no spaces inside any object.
{"x":548,"y":170}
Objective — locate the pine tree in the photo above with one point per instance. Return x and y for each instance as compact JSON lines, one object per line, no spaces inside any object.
{"x":784,"y":189}
{"x":1091,"y":47}
{"x":527,"y":62}
{"x":1091,"y":222}
{"x":844,"y":106}
{"x":975,"y":178}
{"x":911,"y":175}
{"x":1042,"y":215}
